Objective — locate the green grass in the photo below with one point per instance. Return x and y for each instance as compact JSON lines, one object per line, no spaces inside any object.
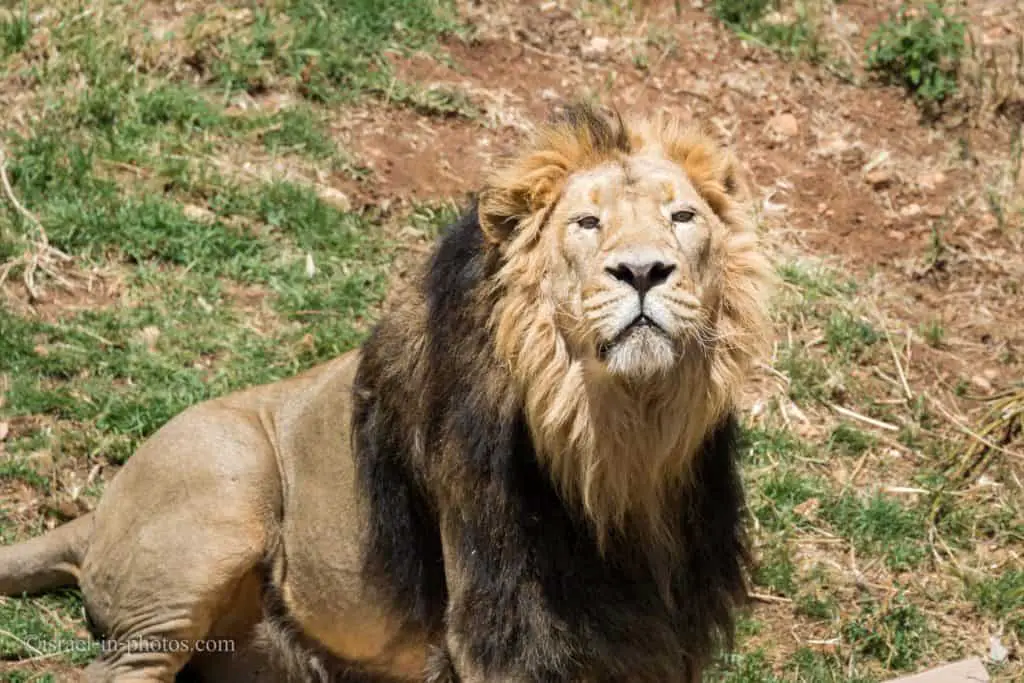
{"x":934,"y":333}
{"x":1002,"y":598}
{"x":920,"y":49}
{"x":808,"y":666}
{"x":814,"y":282}
{"x":299,"y":131}
{"x":822,"y":608}
{"x":848,"y":336}
{"x":328,"y":50}
{"x":761,"y":446}
{"x":15,"y":29}
{"x":849,"y":441}
{"x":798,"y":36}
{"x":881,"y":526}
{"x":182,"y":271}
{"x":776,"y":571}
{"x":897,"y":636}
{"x":780,"y":492}
{"x":34,"y":632}
{"x":744,"y":668}
{"x":805,"y":666}
{"x":809,"y":377}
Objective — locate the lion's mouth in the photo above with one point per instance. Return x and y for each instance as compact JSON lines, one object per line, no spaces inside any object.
{"x":639,"y":324}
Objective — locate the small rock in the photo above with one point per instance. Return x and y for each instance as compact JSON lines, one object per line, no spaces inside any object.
{"x":785,"y":125}
{"x":997,"y":652}
{"x":5,"y":429}
{"x":41,"y":350}
{"x":982,"y":383}
{"x":879,"y":178}
{"x":199,"y":214}
{"x":335,"y":197}
{"x":597,"y":47}
{"x":911,"y":210}
{"x":808,"y":508}
{"x":929,"y":181}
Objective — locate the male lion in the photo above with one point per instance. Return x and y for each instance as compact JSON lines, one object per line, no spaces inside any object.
{"x":527,"y":473}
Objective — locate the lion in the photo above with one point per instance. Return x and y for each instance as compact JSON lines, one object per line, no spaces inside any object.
{"x":528,"y":472}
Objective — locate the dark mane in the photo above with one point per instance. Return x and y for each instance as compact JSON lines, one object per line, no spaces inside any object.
{"x":442,"y":448}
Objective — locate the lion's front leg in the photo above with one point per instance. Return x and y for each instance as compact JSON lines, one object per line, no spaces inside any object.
{"x":500,"y":627}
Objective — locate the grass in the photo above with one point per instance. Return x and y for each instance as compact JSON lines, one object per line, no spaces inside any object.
{"x":792,"y":28}
{"x":881,"y":526}
{"x":920,"y":49}
{"x":897,"y":635}
{"x":848,"y":440}
{"x":833,"y":498}
{"x":776,"y":571}
{"x":810,"y":379}
{"x":329,"y":51}
{"x":44,"y":629}
{"x":15,"y":29}
{"x":805,"y":666}
{"x":849,"y":336}
{"x":934,"y":333}
{"x":1002,"y":598}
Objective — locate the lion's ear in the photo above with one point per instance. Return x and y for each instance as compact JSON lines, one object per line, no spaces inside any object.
{"x":515,"y":194}
{"x":499,"y":212}
{"x":579,"y":137}
{"x":715,"y":172}
{"x":734,"y":178}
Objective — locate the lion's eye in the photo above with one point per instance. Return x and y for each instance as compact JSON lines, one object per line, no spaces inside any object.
{"x":683,"y":216}
{"x":589,"y":222}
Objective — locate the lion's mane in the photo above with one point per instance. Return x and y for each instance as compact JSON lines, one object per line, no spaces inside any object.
{"x":482,"y":455}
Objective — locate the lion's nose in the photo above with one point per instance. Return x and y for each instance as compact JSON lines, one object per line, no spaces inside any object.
{"x":642,"y":276}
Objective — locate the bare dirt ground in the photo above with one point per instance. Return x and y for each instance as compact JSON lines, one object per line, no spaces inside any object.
{"x":853,"y":184}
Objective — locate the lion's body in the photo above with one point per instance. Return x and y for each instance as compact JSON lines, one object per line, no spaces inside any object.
{"x":489,"y":490}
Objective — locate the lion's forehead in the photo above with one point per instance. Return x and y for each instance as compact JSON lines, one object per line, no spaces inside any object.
{"x":630,"y":181}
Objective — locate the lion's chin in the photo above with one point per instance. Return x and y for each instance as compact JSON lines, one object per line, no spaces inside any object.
{"x":643,"y":354}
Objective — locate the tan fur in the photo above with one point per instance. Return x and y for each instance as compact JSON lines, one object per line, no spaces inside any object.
{"x":588,"y":429}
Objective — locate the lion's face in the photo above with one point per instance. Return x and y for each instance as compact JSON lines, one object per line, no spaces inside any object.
{"x":628,"y":302}
{"x":640,"y":265}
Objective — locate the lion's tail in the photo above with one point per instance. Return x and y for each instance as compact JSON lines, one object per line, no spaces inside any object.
{"x":46,"y":562}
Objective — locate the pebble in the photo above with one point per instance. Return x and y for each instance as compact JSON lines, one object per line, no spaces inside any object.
{"x":785,"y":125}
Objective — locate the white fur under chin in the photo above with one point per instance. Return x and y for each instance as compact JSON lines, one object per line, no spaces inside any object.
{"x":645,"y":354}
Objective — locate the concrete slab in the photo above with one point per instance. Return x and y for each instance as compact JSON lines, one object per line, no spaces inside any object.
{"x":966,"y":671}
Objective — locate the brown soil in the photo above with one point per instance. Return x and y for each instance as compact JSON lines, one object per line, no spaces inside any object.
{"x":860,"y":181}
